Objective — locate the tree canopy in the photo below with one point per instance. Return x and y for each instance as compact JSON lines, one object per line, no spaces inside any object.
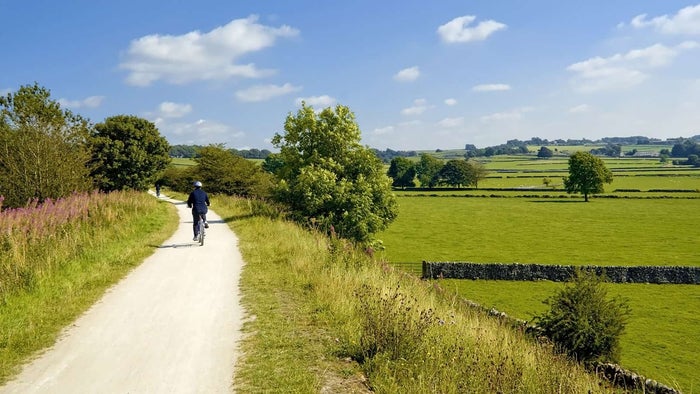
{"x":43,"y":151}
{"x":427,"y":170}
{"x":223,"y":171}
{"x":587,"y":174}
{"x":328,"y":179}
{"x":403,"y":172}
{"x":545,"y":152}
{"x":128,"y":152}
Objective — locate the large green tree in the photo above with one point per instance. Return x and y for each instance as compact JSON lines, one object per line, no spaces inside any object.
{"x":456,"y":173}
{"x":402,"y":171}
{"x":587,"y":174}
{"x":328,"y":178}
{"x":43,"y":151}
{"x":427,"y":170}
{"x":128,"y":152}
{"x":224,"y":172}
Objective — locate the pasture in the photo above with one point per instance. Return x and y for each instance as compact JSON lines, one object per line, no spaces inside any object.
{"x":527,"y":223}
{"x":661,"y":340}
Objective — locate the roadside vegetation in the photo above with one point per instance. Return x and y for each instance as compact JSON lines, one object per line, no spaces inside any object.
{"x":325,"y":316}
{"x":58,"y":258}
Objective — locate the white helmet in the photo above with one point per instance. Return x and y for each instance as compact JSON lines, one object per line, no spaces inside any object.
{"x":198,"y":184}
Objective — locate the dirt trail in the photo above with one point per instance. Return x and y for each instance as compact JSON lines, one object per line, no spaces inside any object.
{"x":170,"y":326}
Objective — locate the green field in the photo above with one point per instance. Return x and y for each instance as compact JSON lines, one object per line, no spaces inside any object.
{"x":546,"y":231}
{"x":661,"y":340}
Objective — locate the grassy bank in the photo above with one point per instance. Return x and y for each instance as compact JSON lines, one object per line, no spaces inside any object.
{"x":661,"y":340}
{"x":59,"y":259}
{"x":325,"y":317}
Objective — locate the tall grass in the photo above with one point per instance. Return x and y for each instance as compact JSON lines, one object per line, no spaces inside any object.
{"x":315,"y":302}
{"x":58,"y":258}
{"x":37,"y":239}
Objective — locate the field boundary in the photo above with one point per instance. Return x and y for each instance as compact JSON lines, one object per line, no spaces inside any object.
{"x":558,"y":273}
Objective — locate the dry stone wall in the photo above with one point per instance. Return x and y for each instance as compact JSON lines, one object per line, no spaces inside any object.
{"x":559,"y":273}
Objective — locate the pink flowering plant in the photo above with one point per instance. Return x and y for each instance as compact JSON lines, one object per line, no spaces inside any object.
{"x":42,"y":236}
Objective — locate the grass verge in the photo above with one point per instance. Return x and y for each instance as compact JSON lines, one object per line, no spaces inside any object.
{"x":32,"y":317}
{"x":324,"y":315}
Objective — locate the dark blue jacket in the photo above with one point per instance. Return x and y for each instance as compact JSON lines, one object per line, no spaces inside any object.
{"x":198,"y":201}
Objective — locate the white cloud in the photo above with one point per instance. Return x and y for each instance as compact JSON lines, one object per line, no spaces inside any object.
{"x":169,"y":109}
{"x":265,"y":92}
{"x":407,"y":74}
{"x":494,"y":87}
{"x":580,"y":109}
{"x":686,"y":21}
{"x":451,"y":122}
{"x":201,"y":56}
{"x":508,"y":115}
{"x":200,"y":132}
{"x":89,"y":102}
{"x":450,"y":102}
{"x":318,"y":102}
{"x":383,"y":130}
{"x":419,"y":106}
{"x":456,"y":30}
{"x":623,"y":70}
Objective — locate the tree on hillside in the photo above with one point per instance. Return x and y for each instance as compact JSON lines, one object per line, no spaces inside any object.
{"x":583,"y":322}
{"x":427,"y":170}
{"x":328,"y":179}
{"x":43,"y":152}
{"x":128,"y":152}
{"x":587,"y":174}
{"x":403,"y":172}
{"x":223,"y":171}
{"x":478,"y":172}
{"x":545,"y":152}
{"x":456,"y":173}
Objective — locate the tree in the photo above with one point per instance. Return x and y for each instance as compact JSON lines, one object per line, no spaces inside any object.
{"x":587,"y":174}
{"x":583,"y":322}
{"x":428,"y":169}
{"x":328,"y":179}
{"x":128,"y":152}
{"x":478,"y":172}
{"x":456,"y":173}
{"x":223,"y":171}
{"x":403,"y":172}
{"x":43,"y":151}
{"x":545,"y":152}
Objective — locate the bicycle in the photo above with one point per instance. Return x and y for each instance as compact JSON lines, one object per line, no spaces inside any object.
{"x":201,"y":231}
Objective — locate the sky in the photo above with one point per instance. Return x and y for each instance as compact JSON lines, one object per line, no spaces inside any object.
{"x":418,"y":75}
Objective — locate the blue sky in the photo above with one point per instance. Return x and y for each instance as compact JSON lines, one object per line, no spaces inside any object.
{"x":417,"y":74}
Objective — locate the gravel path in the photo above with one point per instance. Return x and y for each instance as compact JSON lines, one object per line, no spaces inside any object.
{"x":170,"y":326}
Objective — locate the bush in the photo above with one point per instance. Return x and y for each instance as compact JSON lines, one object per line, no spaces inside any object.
{"x":583,"y":322}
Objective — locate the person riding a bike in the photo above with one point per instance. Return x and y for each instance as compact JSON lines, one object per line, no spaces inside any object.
{"x":198,"y":201}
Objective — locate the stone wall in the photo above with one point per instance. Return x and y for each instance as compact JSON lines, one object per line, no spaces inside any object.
{"x":559,"y":273}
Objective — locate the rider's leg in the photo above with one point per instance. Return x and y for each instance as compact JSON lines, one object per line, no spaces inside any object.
{"x":204,"y":217}
{"x":195,"y":224}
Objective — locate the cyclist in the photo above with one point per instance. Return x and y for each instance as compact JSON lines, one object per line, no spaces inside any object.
{"x":198,"y":201}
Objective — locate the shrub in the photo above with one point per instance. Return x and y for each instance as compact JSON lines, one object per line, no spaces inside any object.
{"x":583,"y":322}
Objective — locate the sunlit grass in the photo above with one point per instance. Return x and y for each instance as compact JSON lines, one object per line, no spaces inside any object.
{"x":660,"y":340}
{"x":316,"y":302}
{"x":546,"y":231}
